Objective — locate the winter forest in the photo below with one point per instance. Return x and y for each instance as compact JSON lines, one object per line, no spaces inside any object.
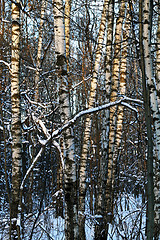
{"x":80,"y":119}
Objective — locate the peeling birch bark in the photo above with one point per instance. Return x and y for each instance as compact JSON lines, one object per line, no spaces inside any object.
{"x":16,"y":125}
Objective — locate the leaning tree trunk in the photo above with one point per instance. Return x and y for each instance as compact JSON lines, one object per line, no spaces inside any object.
{"x":91,"y":102}
{"x":71,"y":227}
{"x":16,"y":125}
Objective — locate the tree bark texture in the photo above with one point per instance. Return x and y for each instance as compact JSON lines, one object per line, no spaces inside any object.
{"x":16,"y":125}
{"x":67,"y":29}
{"x":101,"y":206}
{"x":146,"y":97}
{"x":71,"y":226}
{"x":113,"y":113}
{"x":39,"y":51}
{"x":157,"y":163}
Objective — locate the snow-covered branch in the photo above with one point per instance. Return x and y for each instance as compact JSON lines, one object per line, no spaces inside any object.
{"x":129,"y":106}
{"x":48,"y":136}
{"x":42,"y":125}
{"x":86,"y":79}
{"x":132,"y":100}
{"x":57,"y":132}
{"x":60,"y":152}
{"x":46,"y":231}
{"x":5,"y":63}
{"x":32,"y":166}
{"x":33,"y":102}
{"x":94,"y":110}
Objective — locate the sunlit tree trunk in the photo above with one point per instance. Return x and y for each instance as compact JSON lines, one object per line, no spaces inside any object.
{"x":67,"y":30}
{"x":101,"y":206}
{"x":120,"y":109}
{"x":71,"y":227}
{"x":91,"y":102}
{"x":113,"y":111}
{"x":39,"y":51}
{"x":16,"y":125}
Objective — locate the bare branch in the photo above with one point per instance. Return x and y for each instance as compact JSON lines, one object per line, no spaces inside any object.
{"x":7,"y":64}
{"x":57,"y":132}
{"x":31,"y":167}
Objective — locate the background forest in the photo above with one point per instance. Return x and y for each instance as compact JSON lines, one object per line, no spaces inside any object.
{"x":80,"y":119}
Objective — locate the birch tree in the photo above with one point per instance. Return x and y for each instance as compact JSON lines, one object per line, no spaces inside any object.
{"x":158,"y":54}
{"x":91,"y":102}
{"x":150,"y":98}
{"x":157,"y":163}
{"x":71,"y":228}
{"x":16,"y":124}
{"x":99,"y":231}
{"x":150,"y":79}
{"x":113,"y":112}
{"x":122,"y":92}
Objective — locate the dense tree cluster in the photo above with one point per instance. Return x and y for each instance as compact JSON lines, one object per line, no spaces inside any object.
{"x":80,"y":119}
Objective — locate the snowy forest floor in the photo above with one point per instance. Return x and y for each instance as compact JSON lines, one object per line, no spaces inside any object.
{"x":128,"y":223}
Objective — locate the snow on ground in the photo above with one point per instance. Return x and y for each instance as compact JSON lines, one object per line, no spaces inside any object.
{"x":128,"y":223}
{"x":130,"y":218}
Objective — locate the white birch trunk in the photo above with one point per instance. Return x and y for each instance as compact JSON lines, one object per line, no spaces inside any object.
{"x":150,"y":78}
{"x":153,"y":102}
{"x":71,"y":221}
{"x":157,"y":164}
{"x":91,"y":101}
{"x":158,"y":57}
{"x":16,"y":124}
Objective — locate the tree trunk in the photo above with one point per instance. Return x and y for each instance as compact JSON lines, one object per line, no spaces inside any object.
{"x":156,"y":164}
{"x":91,"y":102}
{"x":146,"y":96}
{"x":16,"y":126}
{"x":70,"y":191}
{"x":67,"y":30}
{"x":101,"y":204}
{"x":40,"y":39}
{"x":113,"y":114}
